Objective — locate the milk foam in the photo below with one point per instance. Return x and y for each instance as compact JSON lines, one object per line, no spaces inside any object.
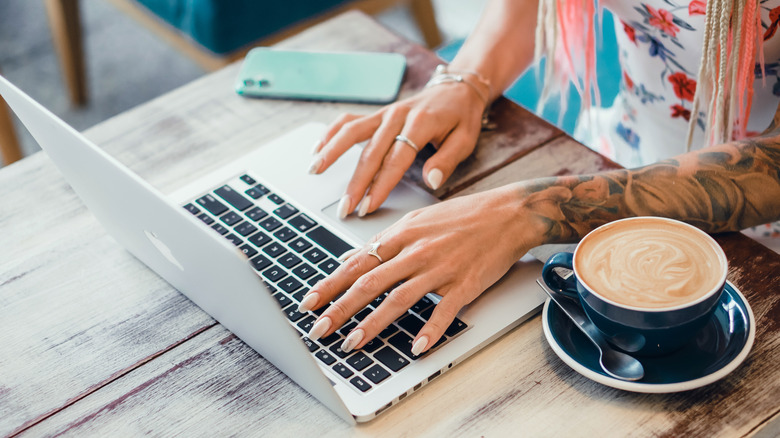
{"x":649,"y":263}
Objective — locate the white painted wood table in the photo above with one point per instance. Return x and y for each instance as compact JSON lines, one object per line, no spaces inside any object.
{"x":92,"y":342}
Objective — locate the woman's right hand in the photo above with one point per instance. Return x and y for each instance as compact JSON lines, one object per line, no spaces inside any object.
{"x":447,"y":115}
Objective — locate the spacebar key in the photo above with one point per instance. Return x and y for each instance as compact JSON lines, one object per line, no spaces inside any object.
{"x":332,"y":243}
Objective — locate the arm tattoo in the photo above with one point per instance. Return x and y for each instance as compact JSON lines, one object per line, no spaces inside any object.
{"x":723,"y":188}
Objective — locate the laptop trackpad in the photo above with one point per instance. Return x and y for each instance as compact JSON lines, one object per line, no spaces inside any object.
{"x":403,"y":199}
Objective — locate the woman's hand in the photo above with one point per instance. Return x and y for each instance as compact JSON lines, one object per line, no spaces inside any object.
{"x":457,"y":249}
{"x":447,"y":116}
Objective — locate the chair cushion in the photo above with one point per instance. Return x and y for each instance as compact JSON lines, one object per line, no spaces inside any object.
{"x":226,"y":25}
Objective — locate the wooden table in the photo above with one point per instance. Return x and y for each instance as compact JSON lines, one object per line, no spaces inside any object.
{"x":93,"y":342}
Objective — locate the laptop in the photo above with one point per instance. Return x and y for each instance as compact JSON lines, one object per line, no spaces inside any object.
{"x":245,"y":242}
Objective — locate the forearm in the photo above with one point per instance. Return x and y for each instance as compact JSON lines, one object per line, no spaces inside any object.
{"x":501,"y":46}
{"x":722,"y":188}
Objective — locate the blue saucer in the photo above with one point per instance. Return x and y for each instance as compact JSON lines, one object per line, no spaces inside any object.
{"x":716,"y":351}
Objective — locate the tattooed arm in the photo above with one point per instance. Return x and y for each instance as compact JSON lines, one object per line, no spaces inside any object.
{"x":460,"y":247}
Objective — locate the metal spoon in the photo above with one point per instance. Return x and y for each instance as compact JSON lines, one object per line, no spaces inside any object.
{"x":616,"y":364}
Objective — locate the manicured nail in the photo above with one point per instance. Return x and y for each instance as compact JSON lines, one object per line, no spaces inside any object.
{"x":364,"y":206}
{"x":316,"y":148}
{"x":319,"y":328}
{"x":434,"y":178}
{"x":343,"y":258}
{"x":344,"y":206}
{"x":315,"y":165}
{"x":352,"y":340}
{"x":308,"y":302}
{"x":418,"y":345}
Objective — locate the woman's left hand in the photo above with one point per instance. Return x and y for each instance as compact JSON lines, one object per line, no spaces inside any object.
{"x":457,"y":249}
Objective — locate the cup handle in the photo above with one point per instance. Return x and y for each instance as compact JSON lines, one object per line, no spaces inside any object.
{"x":567,"y":286}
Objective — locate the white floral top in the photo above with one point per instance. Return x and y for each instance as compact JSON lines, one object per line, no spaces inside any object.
{"x":659,"y":43}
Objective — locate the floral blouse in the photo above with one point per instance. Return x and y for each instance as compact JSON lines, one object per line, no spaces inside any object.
{"x":659,"y":43}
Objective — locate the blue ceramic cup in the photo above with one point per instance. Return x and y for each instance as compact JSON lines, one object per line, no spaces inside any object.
{"x":648,"y":284}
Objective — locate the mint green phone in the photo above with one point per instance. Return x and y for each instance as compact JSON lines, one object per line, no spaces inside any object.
{"x":335,"y":76}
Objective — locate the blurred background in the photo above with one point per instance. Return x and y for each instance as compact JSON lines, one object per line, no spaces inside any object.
{"x":127,"y":63}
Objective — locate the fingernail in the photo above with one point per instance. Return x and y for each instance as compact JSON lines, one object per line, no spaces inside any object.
{"x":315,"y":165}
{"x":316,"y":148}
{"x":434,"y":178}
{"x":344,"y":206}
{"x":352,"y":340}
{"x":319,"y":328}
{"x":348,"y":254}
{"x":419,"y":345}
{"x":308,"y":302}
{"x":364,"y":206}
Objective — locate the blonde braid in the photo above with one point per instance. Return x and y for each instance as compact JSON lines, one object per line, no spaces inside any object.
{"x":736,"y":48}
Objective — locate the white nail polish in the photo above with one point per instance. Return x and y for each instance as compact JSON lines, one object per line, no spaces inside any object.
{"x":343,"y":258}
{"x":364,"y":206}
{"x":434,"y":178}
{"x":308,"y":302}
{"x":315,"y":165}
{"x":344,"y":206}
{"x":316,"y":147}
{"x":319,"y":328}
{"x":352,"y":340}
{"x":419,"y":345}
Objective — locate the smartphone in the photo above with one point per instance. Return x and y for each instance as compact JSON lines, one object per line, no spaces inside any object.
{"x":334,"y":76}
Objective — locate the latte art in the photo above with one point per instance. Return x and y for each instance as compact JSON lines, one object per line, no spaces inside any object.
{"x":649,"y":263}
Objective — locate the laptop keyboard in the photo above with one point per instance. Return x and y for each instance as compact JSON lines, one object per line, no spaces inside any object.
{"x":291,"y":252}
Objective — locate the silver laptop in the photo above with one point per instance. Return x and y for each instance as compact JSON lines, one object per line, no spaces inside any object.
{"x":251,"y":239}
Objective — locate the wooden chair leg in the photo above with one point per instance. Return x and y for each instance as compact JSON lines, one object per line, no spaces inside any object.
{"x":9,"y":144}
{"x":65,"y":24}
{"x":423,"y":13}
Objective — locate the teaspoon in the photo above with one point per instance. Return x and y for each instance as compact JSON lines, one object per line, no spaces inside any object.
{"x":616,"y":364}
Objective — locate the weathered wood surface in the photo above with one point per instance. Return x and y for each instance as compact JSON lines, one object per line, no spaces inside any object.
{"x":92,"y":342}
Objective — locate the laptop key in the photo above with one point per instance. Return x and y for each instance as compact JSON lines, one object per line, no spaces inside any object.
{"x":212,"y":205}
{"x":282,"y":299}
{"x":248,"y":250}
{"x":331,"y":338}
{"x":276,"y":199}
{"x":259,"y":239}
{"x":426,"y":314}
{"x":346,"y":328}
{"x":360,"y":384}
{"x":378,"y":300}
{"x":298,"y":296}
{"x":260,"y":262}
{"x":233,"y":197}
{"x":285,"y":211}
{"x":421,"y":305}
{"x":336,"y":349}
{"x":328,"y":266}
{"x":234,"y":239}
{"x":256,"y":192}
{"x":206,"y":218}
{"x":289,"y":260}
{"x":285,"y":234}
{"x":248,"y":179}
{"x":293,"y":314}
{"x":245,"y":228}
{"x":304,"y":271}
{"x":376,"y":374}
{"x":388,"y":331}
{"x":274,"y":249}
{"x":311,"y":345}
{"x":230,"y":218}
{"x":373,"y":345}
{"x":315,"y":255}
{"x":256,"y":214}
{"x":306,"y":323}
{"x":456,"y":327}
{"x":411,"y":324}
{"x":441,"y":340}
{"x":314,"y":280}
{"x":389,"y":358}
{"x":359,"y":361}
{"x":326,"y":357}
{"x":302,"y":223}
{"x":289,"y":284}
{"x":220,"y":229}
{"x":300,"y":245}
{"x":342,"y":370}
{"x":332,"y":243}
{"x":270,"y":223}
{"x":274,"y":273}
{"x":192,"y":209}
{"x":362,"y":314}
{"x":403,"y":343}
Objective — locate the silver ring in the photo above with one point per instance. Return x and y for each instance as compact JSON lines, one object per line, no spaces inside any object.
{"x":410,"y":143}
{"x":372,"y":251}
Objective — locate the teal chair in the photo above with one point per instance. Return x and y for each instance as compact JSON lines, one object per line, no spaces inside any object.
{"x":527,"y":89}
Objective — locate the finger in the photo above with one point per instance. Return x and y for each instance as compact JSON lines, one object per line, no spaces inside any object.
{"x":397,"y":302}
{"x":455,"y":148}
{"x":443,"y":315}
{"x":332,"y":129}
{"x":395,"y":164}
{"x":371,"y":160}
{"x":350,"y":134}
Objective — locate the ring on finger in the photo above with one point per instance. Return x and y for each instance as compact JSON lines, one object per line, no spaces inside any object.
{"x":406,"y":141}
{"x":372,"y":251}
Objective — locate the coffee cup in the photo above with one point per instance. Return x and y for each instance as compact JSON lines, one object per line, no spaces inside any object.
{"x":650,"y":282}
